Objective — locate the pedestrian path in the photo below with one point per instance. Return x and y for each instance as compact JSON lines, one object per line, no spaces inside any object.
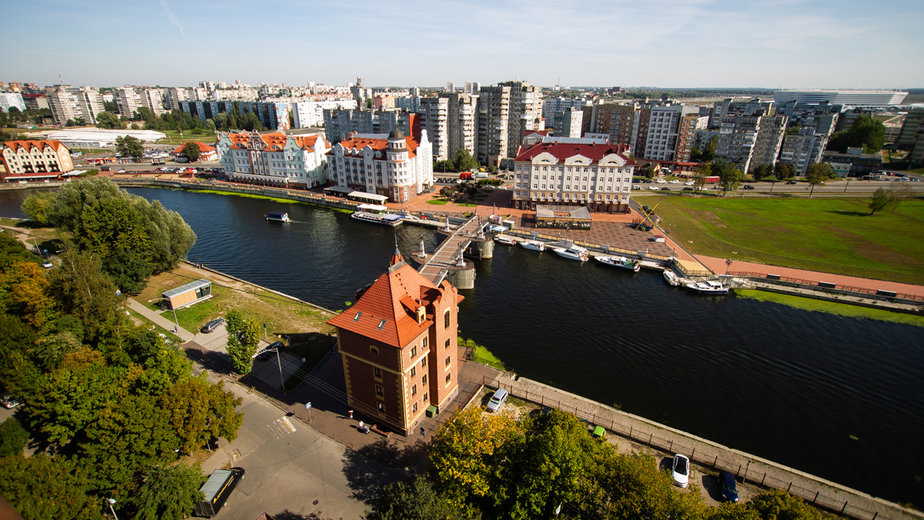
{"x":159,"y":320}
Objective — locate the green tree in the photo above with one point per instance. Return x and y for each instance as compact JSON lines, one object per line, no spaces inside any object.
{"x":729,"y":176}
{"x":699,"y":175}
{"x":244,"y":346}
{"x":416,"y":500}
{"x":129,"y":146}
{"x":41,"y":487}
{"x":707,"y":154}
{"x":168,"y":493}
{"x":888,"y":200}
{"x":865,"y":132}
{"x":199,"y":411}
{"x":191,"y":151}
{"x":463,"y":160}
{"x":38,"y":205}
{"x":762,"y":172}
{"x":784,"y":171}
{"x":818,"y":173}
{"x":108,"y":120}
{"x":632,"y":487}
{"x":780,"y":505}
{"x":13,"y":437}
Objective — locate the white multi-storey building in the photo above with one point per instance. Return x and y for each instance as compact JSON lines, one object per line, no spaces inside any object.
{"x":127,"y":100}
{"x":152,"y":99}
{"x":274,"y":158}
{"x":434,"y":118}
{"x":573,"y":172}
{"x":10,"y":100}
{"x":310,"y":114}
{"x":802,"y":150}
{"x":394,"y":166}
{"x":69,"y":104}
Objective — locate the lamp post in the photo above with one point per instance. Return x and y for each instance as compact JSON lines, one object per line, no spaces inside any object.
{"x":175,"y":320}
{"x":728,"y":263}
{"x":111,"y":503}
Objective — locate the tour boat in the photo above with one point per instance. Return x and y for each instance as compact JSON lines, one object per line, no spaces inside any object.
{"x":504,"y":239}
{"x":710,"y":287}
{"x":533,"y":245}
{"x":385,"y":219}
{"x":670,"y":277}
{"x":619,"y":261}
{"x":572,"y":253}
{"x":277,"y":216}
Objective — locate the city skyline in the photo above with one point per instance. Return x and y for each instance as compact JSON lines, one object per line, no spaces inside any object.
{"x":666,"y":43}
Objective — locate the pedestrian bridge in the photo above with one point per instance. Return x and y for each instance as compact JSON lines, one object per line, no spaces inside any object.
{"x":449,"y":255}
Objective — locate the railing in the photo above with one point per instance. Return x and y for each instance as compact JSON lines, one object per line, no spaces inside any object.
{"x":830,"y":287}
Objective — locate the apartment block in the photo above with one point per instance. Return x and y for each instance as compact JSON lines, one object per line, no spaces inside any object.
{"x":272,"y":115}
{"x":802,"y":150}
{"x":274,"y":159}
{"x":127,"y":100}
{"x":10,"y":100}
{"x":910,"y":132}
{"x":341,"y":122}
{"x":615,"y":120}
{"x":504,"y":112}
{"x":670,"y":126}
{"x":310,"y":114}
{"x":434,"y":118}
{"x":69,"y":104}
{"x":398,"y":344}
{"x":554,"y":111}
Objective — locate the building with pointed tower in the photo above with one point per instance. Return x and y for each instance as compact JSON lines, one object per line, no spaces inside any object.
{"x":399,"y":345}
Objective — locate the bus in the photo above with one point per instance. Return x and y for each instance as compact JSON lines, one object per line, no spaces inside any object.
{"x":216,"y":490}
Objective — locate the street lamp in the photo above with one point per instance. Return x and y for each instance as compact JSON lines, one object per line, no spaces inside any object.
{"x":111,"y":503}
{"x":728,"y":263}
{"x":278,"y":363}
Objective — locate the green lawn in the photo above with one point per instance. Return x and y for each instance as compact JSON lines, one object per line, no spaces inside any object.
{"x":174,"y":137}
{"x":829,"y":235}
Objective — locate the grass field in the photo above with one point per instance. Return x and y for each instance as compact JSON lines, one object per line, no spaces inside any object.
{"x":841,"y":309}
{"x":829,"y":235}
{"x":174,"y":137}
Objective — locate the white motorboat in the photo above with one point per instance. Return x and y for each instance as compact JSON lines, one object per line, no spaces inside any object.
{"x":710,"y":287}
{"x":533,"y":245}
{"x":620,"y":262}
{"x":504,"y":239}
{"x":572,"y":253}
{"x":385,"y":219}
{"x":671,"y":277}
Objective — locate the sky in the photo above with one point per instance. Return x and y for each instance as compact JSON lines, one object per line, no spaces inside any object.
{"x":658,"y":43}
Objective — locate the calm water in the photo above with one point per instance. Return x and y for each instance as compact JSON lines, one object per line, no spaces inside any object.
{"x":788,"y":385}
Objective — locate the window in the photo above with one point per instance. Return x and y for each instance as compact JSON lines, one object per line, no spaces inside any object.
{"x":424,"y":379}
{"x":423,"y":362}
{"x":448,"y":378}
{"x":377,"y":372}
{"x":414,"y":390}
{"x":373,"y":349}
{"x":414,"y":408}
{"x":381,"y":408}
{"x":426,"y":341}
{"x":448,"y":360}
{"x":379,"y":391}
{"x":413,"y":371}
{"x":446,"y":319}
{"x":447,"y":343}
{"x":425,"y":397}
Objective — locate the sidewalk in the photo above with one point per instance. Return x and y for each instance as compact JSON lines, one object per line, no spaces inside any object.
{"x":159,"y":320}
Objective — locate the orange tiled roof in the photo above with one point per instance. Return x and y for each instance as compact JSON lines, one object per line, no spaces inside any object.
{"x":15,"y":145}
{"x":394,"y":298}
{"x":275,"y":141}
{"x":202,"y":148}
{"x":358,"y":143}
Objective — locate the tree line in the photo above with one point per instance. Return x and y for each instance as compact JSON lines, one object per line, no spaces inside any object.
{"x":110,"y":408}
{"x":547,"y":465}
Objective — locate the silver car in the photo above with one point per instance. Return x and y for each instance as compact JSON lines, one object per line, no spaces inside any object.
{"x":497,"y":400}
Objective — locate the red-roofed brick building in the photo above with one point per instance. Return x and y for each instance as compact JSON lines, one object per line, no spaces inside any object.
{"x":574,"y":172}
{"x":206,"y":152}
{"x":399,"y":347}
{"x":274,"y":158}
{"x":31,"y":160}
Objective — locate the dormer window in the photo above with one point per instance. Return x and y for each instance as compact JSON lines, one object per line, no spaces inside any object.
{"x":381,"y":325}
{"x":358,"y":315}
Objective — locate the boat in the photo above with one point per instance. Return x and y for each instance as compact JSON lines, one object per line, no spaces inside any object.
{"x":572,"y":252}
{"x":710,"y":287}
{"x":619,"y":261}
{"x":504,"y":239}
{"x":277,"y":216}
{"x":671,"y":277}
{"x":385,"y":219}
{"x":533,"y":245}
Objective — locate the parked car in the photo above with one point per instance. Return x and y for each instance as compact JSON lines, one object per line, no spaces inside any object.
{"x":8,"y":401}
{"x":497,"y":400}
{"x":680,"y":470}
{"x":687,"y":188}
{"x":747,"y":187}
{"x":791,"y":181}
{"x":689,"y":183}
{"x":648,"y":209}
{"x":665,"y":188}
{"x":661,"y":181}
{"x":729,"y":487}
{"x":212,"y":325}
{"x":47,"y":265}
{"x":653,"y":188}
{"x":674,"y":181}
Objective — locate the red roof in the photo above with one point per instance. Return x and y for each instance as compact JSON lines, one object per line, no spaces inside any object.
{"x":378,"y":144}
{"x":387,"y":310}
{"x":28,"y":145}
{"x":562,"y":151}
{"x":203,"y":148}
{"x":275,"y":141}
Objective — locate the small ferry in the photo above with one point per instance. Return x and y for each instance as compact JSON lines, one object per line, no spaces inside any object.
{"x":377,"y":215}
{"x":619,"y":261}
{"x":277,"y":216}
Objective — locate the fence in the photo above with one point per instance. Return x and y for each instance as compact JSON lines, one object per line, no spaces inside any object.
{"x":747,"y":467}
{"x":819,"y":285}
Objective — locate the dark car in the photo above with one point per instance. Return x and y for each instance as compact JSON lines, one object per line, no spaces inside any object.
{"x":729,"y":487}
{"x":212,"y":325}
{"x":687,"y":188}
{"x":747,"y":187}
{"x":665,"y":188}
{"x":648,"y":210}
{"x":791,"y":181}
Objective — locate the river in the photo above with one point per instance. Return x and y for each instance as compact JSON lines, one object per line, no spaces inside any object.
{"x":837,"y":397}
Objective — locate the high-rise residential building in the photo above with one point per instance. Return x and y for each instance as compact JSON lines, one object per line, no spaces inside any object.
{"x":310,"y":114}
{"x":463,"y":115}
{"x":910,"y":131}
{"x":89,"y":103}
{"x":274,"y":158}
{"x":173,"y":96}
{"x":63,"y":103}
{"x":572,"y":121}
{"x":399,"y":347}
{"x":340,"y":122}
{"x":450,"y":87}
{"x":821,"y":118}
{"x":274,"y":116}
{"x":670,"y":128}
{"x":803,"y":149}
{"x":505,"y":110}
{"x":615,"y":120}
{"x":10,"y":100}
{"x":748,"y":135}
{"x":152,"y":99}
{"x":127,"y":100}
{"x":553,"y":110}
{"x":574,"y":172}
{"x":392,"y":165}
{"x":434,"y":118}
{"x":24,"y":160}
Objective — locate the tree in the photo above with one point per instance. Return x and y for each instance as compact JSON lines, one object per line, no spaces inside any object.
{"x":191,"y":151}
{"x":707,"y":154}
{"x":762,"y":172}
{"x":729,"y":176}
{"x":108,"y":120}
{"x":780,"y":505}
{"x":199,"y":411}
{"x":41,"y":487}
{"x":168,"y":492}
{"x":416,"y":500}
{"x":129,"y":146}
{"x":463,"y":160}
{"x":699,"y":175}
{"x":784,"y":171}
{"x":865,"y":132}
{"x":13,"y":437}
{"x":818,"y":173}
{"x":888,"y":200}
{"x":632,"y":487}
{"x":246,"y":337}
{"x":38,"y":205}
